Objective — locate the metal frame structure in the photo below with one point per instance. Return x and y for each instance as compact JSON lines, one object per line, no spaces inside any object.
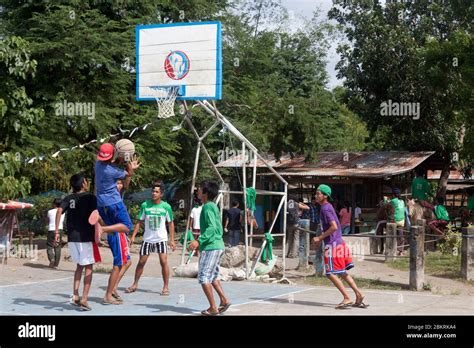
{"x":282,"y":207}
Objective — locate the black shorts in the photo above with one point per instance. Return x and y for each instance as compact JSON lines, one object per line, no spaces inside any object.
{"x":160,"y":248}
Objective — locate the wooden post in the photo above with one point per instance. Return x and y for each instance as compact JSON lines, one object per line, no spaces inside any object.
{"x":319,"y":258}
{"x":422,"y":224}
{"x":353,"y":204}
{"x":303,"y":245}
{"x":467,"y":253}
{"x":417,"y":258}
{"x":391,"y":242}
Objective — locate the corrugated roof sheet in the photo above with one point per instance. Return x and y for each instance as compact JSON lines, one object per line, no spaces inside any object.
{"x":344,"y":164}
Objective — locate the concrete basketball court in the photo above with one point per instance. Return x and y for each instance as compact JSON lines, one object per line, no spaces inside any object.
{"x":51,"y":297}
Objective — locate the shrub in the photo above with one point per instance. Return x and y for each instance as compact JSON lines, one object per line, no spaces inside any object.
{"x":451,"y":244}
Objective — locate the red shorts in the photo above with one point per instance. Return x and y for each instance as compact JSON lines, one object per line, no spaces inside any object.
{"x":337,"y":259}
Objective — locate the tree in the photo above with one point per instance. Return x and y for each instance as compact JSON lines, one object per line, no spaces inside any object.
{"x":85,"y":53}
{"x":418,"y":53}
{"x":17,"y":115}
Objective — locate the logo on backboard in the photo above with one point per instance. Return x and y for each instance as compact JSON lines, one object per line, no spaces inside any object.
{"x":177,"y":65}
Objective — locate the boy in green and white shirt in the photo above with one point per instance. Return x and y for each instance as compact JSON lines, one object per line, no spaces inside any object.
{"x":211,"y":245}
{"x":154,"y":214}
{"x":442,"y":217}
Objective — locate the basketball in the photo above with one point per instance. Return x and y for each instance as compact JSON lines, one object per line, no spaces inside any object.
{"x":125,"y":149}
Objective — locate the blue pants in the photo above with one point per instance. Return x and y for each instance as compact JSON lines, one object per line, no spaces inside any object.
{"x":234,"y":237}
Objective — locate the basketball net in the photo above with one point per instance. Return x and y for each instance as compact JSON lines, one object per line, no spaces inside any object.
{"x":165,"y":97}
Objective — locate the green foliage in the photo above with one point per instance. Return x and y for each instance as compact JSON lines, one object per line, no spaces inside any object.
{"x":410,"y":52}
{"x":451,"y":244}
{"x":35,"y":219}
{"x":83,"y":51}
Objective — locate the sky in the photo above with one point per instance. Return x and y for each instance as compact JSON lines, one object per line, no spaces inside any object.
{"x":304,"y":9}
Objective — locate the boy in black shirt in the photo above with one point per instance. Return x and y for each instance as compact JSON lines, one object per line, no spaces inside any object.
{"x":82,"y":247}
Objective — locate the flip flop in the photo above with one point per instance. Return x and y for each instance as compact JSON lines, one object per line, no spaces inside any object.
{"x":206,"y":313}
{"x":75,"y":302}
{"x":94,"y":217}
{"x":84,"y":307}
{"x":165,"y":293}
{"x":117,"y":297}
{"x":344,"y":305}
{"x":129,"y":290}
{"x":104,"y":302}
{"x":223,"y":308}
{"x":360,"y":304}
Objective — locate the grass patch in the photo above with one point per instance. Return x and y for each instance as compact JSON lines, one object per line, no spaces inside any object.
{"x":363,"y":283}
{"x":436,"y":264}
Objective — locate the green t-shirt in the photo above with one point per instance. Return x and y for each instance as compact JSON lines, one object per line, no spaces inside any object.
{"x":420,"y":187}
{"x":399,"y":207}
{"x":211,"y":228}
{"x":470,"y":203}
{"x":155,"y":216}
{"x":441,"y":212}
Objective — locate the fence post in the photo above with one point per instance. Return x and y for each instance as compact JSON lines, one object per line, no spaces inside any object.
{"x":467,"y":253}
{"x":417,"y":258}
{"x":422,"y":223}
{"x":304,"y":245}
{"x":391,"y":242}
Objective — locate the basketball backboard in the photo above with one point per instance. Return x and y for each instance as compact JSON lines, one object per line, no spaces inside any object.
{"x":188,"y":55}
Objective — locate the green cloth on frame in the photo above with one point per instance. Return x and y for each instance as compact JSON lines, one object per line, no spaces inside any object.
{"x":250,"y":197}
{"x":189,"y":239}
{"x":268,"y":250}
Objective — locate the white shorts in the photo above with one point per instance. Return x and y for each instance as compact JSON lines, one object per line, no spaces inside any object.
{"x":84,"y":254}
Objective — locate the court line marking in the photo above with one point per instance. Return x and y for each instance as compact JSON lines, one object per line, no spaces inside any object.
{"x":266,"y":299}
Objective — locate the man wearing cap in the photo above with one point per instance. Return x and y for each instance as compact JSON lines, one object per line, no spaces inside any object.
{"x":113,"y":212}
{"x":337,"y":257}
{"x":398,"y":217}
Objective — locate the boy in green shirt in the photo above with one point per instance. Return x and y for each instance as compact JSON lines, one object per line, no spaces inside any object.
{"x":211,"y":246}
{"x":420,"y":189}
{"x":154,"y":216}
{"x":398,"y":217}
{"x":442,"y":217}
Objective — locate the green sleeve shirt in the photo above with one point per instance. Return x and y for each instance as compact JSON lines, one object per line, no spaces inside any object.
{"x":399,"y":206}
{"x":211,"y":228}
{"x":441,"y":213}
{"x":420,"y":187}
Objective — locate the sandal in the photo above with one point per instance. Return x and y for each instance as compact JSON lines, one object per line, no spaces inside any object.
{"x":117,"y":297}
{"x":206,"y":313}
{"x":75,"y":302}
{"x":84,"y":307}
{"x":223,"y":308}
{"x":344,"y":305}
{"x":129,"y":290}
{"x":165,"y":293}
{"x":359,"y":303}
{"x":105,"y":302}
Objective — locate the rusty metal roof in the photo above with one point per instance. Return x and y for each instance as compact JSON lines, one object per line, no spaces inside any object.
{"x":342,"y":164}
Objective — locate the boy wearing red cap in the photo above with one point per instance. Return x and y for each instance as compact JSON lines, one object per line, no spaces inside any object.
{"x":337,"y":257}
{"x":113,"y":212}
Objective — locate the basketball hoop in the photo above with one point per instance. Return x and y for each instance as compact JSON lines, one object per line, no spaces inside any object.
{"x":165,"y":97}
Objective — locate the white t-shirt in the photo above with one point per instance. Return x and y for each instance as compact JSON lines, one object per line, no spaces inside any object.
{"x":196,"y":215}
{"x":52,"y":220}
{"x":155,"y":216}
{"x":357,"y":212}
